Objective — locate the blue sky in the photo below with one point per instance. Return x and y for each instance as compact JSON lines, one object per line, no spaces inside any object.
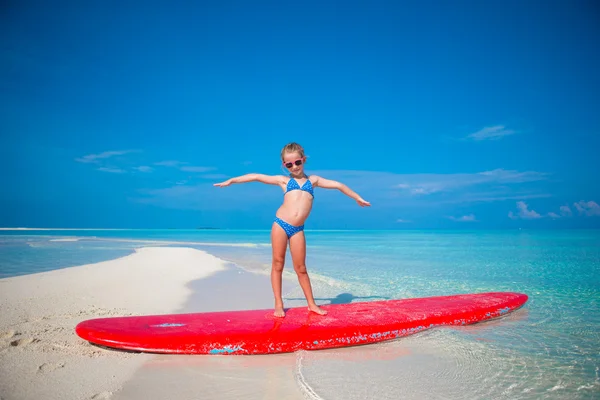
{"x":441,"y":114}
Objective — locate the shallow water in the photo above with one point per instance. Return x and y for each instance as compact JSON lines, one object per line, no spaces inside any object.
{"x":548,"y":349}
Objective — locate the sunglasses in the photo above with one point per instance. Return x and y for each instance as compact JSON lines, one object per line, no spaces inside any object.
{"x":291,"y":164}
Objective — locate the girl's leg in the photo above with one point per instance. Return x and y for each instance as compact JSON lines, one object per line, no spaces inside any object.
{"x":278,"y":243}
{"x":298,"y":250}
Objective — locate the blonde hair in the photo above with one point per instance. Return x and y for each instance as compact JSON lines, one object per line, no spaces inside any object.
{"x":292,"y":147}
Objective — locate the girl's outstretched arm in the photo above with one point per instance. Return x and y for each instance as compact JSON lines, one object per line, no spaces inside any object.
{"x":330,"y":184}
{"x":268,"y":179}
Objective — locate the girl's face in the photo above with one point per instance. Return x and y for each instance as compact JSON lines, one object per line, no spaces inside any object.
{"x":294,"y":162}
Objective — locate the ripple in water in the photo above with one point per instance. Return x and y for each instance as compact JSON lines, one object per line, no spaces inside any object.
{"x":439,"y":364}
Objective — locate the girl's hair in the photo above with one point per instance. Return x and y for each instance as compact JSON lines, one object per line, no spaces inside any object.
{"x":292,"y":148}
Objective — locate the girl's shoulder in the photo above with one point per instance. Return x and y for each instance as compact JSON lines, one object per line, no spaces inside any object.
{"x":313,"y":178}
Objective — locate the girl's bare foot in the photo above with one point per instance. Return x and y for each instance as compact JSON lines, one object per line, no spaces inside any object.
{"x":316,"y":309}
{"x":279,"y":311}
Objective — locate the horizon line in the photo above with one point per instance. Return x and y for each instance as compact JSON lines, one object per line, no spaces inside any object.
{"x":22,"y":229}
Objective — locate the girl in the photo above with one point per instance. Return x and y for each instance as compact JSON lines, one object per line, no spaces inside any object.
{"x":290,"y":217}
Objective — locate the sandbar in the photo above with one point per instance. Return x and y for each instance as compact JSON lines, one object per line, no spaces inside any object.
{"x":41,"y":357}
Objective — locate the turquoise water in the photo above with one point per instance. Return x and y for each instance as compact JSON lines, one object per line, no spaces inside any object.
{"x":548,"y":349}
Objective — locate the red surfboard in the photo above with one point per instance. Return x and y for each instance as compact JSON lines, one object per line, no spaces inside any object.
{"x":259,"y":332}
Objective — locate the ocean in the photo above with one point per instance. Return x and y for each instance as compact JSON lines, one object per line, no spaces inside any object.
{"x":548,"y":349}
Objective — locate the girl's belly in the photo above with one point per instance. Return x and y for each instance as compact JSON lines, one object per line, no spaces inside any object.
{"x":294,"y":214}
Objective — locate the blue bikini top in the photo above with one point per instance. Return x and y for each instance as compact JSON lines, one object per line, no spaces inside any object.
{"x":306,"y":187}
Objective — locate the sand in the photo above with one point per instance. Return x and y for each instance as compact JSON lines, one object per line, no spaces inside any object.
{"x":259,"y":377}
{"x":41,"y":357}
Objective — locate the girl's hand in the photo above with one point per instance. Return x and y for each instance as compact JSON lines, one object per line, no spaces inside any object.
{"x":363,"y":203}
{"x":223,"y":184}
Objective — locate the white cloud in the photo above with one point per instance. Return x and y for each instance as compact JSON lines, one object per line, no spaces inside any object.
{"x":182,"y":165}
{"x":112,"y":170}
{"x":498,"y":196}
{"x":424,"y":184}
{"x":423,"y":190}
{"x":503,"y":175}
{"x":464,"y":218}
{"x":170,"y":163}
{"x":143,"y":168}
{"x":491,"y":133}
{"x":402,"y":221}
{"x":524,"y":212}
{"x":93,"y":158}
{"x":197,"y":169}
{"x":566,"y":211}
{"x":587,"y":208}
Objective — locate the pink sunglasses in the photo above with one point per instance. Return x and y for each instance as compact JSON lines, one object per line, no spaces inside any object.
{"x":291,"y":164}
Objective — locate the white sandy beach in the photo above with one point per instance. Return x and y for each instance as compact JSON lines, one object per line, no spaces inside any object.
{"x":41,"y":357}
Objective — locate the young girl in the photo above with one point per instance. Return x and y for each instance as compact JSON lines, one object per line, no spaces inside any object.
{"x":290,"y":217}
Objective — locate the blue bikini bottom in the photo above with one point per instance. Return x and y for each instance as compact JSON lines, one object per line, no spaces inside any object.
{"x":290,"y":230}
